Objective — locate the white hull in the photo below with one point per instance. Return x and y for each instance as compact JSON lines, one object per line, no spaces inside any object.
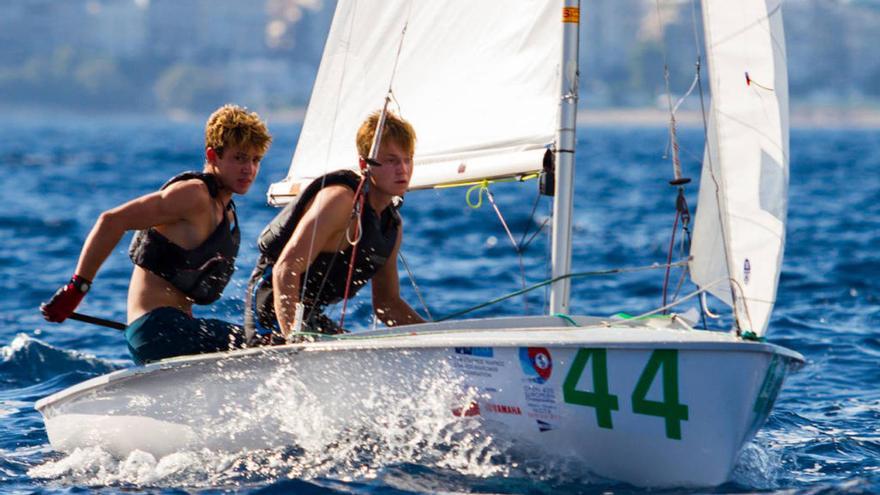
{"x":538,"y":391}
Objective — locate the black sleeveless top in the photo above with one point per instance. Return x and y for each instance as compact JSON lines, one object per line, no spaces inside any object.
{"x":329,"y":271}
{"x":201,"y":273}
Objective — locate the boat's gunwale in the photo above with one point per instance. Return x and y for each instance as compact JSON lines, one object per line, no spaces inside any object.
{"x":409,"y":338}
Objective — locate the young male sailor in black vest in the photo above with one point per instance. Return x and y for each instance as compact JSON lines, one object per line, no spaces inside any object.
{"x":310,"y":243}
{"x":185,"y":249}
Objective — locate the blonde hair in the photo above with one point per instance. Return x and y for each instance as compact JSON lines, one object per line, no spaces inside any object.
{"x":232,"y":125}
{"x":396,"y":129}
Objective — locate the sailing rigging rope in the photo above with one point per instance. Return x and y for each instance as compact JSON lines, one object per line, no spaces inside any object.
{"x":681,"y":210}
{"x":683,"y":213}
{"x":556,"y":279}
{"x":415,"y":286}
{"x":323,"y":283}
{"x":669,"y":256}
{"x":321,"y":336}
{"x":724,"y":240}
{"x":522,"y":240}
{"x":739,"y":329}
{"x":673,"y":137}
{"x":681,"y":205}
{"x":364,"y":187}
{"x":525,"y":243}
{"x":484,"y":187}
{"x":685,"y":241}
{"x":566,"y":318}
{"x":704,"y":307}
{"x":664,"y":308}
{"x":358,"y":209}
{"x":326,"y":161}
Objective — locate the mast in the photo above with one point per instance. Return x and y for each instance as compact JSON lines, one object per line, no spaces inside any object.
{"x":564,"y":159}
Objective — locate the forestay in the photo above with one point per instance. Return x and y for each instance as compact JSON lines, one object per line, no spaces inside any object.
{"x":479,"y":81}
{"x":743,"y":188}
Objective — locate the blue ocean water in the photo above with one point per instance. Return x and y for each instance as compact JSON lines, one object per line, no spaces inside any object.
{"x":823,"y":435}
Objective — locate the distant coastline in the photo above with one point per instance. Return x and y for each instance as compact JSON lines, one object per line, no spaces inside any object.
{"x":802,"y":116}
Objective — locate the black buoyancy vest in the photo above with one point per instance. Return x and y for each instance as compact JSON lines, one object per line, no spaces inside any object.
{"x":329,"y":271}
{"x":200,"y":273}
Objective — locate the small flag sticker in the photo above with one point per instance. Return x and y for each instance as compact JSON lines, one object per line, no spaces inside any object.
{"x":571,"y":14}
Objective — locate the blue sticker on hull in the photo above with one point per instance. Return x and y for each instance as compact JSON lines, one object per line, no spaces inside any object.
{"x":484,"y":352}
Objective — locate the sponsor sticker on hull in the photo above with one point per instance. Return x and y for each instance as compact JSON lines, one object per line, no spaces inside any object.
{"x":503,"y":409}
{"x":484,"y":352}
{"x":536,"y":363}
{"x":470,"y":410}
{"x":476,"y":362}
{"x":480,"y":377}
{"x":541,"y":402}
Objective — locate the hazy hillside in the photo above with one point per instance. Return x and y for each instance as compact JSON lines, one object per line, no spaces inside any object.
{"x":167,"y":55}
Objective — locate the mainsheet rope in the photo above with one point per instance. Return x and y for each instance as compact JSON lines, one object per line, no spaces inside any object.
{"x":609,"y":271}
{"x":542,"y":284}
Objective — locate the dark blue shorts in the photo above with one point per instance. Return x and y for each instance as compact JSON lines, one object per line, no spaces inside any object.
{"x":168,"y":332}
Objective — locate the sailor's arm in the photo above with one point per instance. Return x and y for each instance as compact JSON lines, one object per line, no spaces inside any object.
{"x":178,"y":202}
{"x":387,"y":304}
{"x":319,"y":229}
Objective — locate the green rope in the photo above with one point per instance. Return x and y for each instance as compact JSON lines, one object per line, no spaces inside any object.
{"x":482,"y":186}
{"x":349,"y":336}
{"x":552,"y":280}
{"x":749,"y":335}
{"x":566,"y":318}
{"x":627,"y":316}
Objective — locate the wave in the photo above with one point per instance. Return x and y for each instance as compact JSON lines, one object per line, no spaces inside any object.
{"x":26,"y":361}
{"x":294,"y":470}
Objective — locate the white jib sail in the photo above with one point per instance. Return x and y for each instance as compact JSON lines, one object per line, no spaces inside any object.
{"x":479,"y":81}
{"x":744,"y":183}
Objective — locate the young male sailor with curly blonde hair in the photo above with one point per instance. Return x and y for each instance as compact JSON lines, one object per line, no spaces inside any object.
{"x":185,"y":248}
{"x":310,"y":243}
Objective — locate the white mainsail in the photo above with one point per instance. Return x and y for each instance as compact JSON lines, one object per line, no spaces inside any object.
{"x":479,"y":81}
{"x":739,"y":231}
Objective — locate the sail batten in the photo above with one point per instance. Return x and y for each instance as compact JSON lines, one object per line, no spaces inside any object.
{"x":739,"y":230}
{"x":479,"y":81}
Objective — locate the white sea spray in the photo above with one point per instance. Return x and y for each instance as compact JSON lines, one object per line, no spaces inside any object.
{"x":348,"y":419}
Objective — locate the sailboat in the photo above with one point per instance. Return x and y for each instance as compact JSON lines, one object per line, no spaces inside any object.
{"x":492,"y":88}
